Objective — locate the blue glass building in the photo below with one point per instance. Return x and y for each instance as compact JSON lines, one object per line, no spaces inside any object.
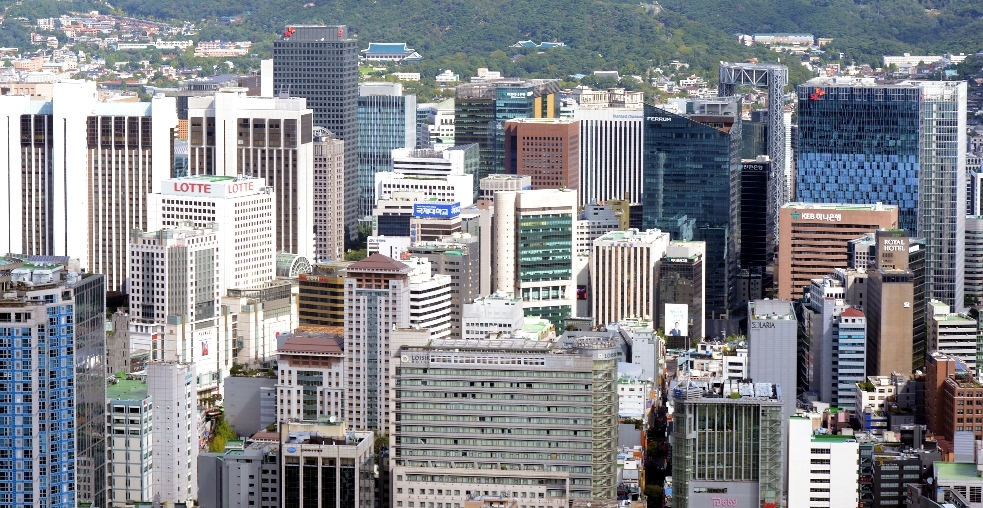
{"x":386,"y":121}
{"x":862,"y":141}
{"x":52,"y":417}
{"x":692,"y":187}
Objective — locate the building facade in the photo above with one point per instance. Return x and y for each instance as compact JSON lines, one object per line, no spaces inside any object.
{"x":827,"y":463}
{"x":624,"y":270}
{"x":271,"y":138}
{"x":329,"y":196}
{"x":773,"y":348}
{"x":682,"y":281}
{"x":320,"y":64}
{"x":322,"y":294}
{"x":691,"y":177}
{"x":173,"y":387}
{"x":458,"y":257}
{"x":311,"y":372}
{"x":532,"y":254}
{"x":386,"y":121}
{"x":734,"y":443}
{"x":77,"y":173}
{"x":813,"y":239}
{"x":129,"y":418}
{"x":900,"y":143}
{"x":545,"y":149}
{"x":245,"y":212}
{"x":56,"y":312}
{"x":324,"y":463}
{"x":550,"y":453}
{"x":610,"y":154}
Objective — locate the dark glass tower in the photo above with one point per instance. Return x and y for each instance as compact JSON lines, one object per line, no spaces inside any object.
{"x":692,"y":182}
{"x":320,"y":64}
{"x":900,"y":143}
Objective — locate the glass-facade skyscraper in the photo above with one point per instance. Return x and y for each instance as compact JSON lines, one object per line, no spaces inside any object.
{"x":903,"y":143}
{"x":52,"y":387}
{"x":386,"y":121}
{"x":692,"y":182}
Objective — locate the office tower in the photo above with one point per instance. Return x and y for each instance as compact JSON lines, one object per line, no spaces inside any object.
{"x":174,"y":389}
{"x":682,"y":281}
{"x":697,"y":155}
{"x":482,"y":108}
{"x":329,"y":196}
{"x":245,"y":212}
{"x":325,"y":463}
{"x":546,"y":149}
{"x":528,"y":449}
{"x":321,"y":297}
{"x":270,"y":138}
{"x":130,"y":408}
{"x":495,"y":183}
{"x":445,"y":175}
{"x":849,"y":362}
{"x":974,"y":258}
{"x":310,"y":385}
{"x":772,"y":347}
{"x":624,"y":274}
{"x":733,"y":440}
{"x":459,"y":258}
{"x":890,"y":305}
{"x":176,"y":289}
{"x":938,"y":368}
{"x":532,"y":250}
{"x":46,"y":308}
{"x":496,"y":313}
{"x":900,"y":143}
{"x":825,"y":299}
{"x":239,"y":476}
{"x":386,"y":121}
{"x":77,"y":173}
{"x":430,"y":298}
{"x":320,"y":64}
{"x":377,"y":300}
{"x":823,"y":469}
{"x":953,"y":334}
{"x":754,"y":135}
{"x":919,"y":311}
{"x":610,"y":154}
{"x":759,"y":224}
{"x":813,"y":239}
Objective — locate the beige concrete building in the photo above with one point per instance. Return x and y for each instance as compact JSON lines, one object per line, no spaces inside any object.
{"x":813,"y":239}
{"x":890,"y":306}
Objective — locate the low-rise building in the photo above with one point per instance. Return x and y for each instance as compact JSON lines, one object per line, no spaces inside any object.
{"x":823,"y":469}
{"x":327,"y":454}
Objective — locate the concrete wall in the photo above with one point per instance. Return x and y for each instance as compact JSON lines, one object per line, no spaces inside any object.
{"x":243,"y":409}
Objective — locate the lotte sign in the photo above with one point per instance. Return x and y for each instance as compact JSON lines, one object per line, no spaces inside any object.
{"x":216,"y":188}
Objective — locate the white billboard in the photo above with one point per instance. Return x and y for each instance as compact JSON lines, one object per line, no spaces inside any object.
{"x":677,"y":319}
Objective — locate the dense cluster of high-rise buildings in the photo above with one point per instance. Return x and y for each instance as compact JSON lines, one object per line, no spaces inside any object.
{"x":565,"y":295}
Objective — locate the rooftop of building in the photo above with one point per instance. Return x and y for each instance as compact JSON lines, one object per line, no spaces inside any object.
{"x":875,"y":82}
{"x":379,"y":263}
{"x":833,"y":438}
{"x":498,"y":297}
{"x":126,"y":389}
{"x":771,"y":309}
{"x":852,"y":313}
{"x":313,"y":343}
{"x":957,"y":472}
{"x":558,"y":121}
{"x":631,"y":236}
{"x":387,"y":47}
{"x":843,"y":207}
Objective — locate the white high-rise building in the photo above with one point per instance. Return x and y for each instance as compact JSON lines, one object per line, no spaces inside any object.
{"x":272,"y":138}
{"x":533,"y":250}
{"x":174,"y":391}
{"x":610,"y":154}
{"x":430,"y":299}
{"x":952,"y":334}
{"x":441,"y":175}
{"x":245,"y":213}
{"x":129,"y":440}
{"x":75,"y":174}
{"x":176,"y":290}
{"x":496,"y":313}
{"x":624,"y":273}
{"x":823,"y":469}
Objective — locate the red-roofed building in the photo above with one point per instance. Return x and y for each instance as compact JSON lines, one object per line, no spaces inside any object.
{"x":310,"y":376}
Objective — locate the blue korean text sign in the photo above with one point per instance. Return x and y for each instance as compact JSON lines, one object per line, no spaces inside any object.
{"x":444,"y":210}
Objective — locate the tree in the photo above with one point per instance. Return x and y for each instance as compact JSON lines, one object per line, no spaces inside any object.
{"x":217,"y":445}
{"x":653,"y":496}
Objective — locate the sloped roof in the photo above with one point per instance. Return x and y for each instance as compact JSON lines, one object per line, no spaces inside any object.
{"x":851,"y":312}
{"x":313,"y":343}
{"x":387,"y":48}
{"x":377,"y":262}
